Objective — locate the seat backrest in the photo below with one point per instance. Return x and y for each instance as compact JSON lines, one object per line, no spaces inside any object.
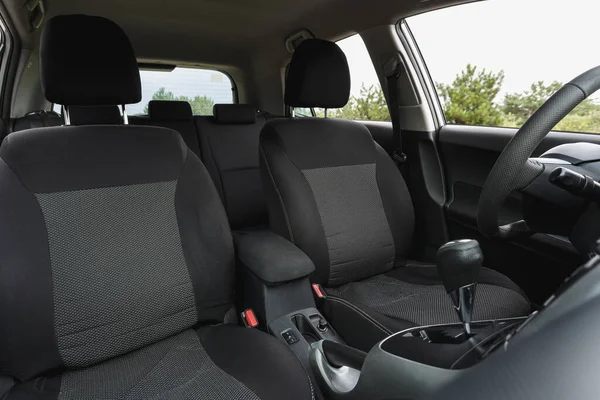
{"x":176,"y":115}
{"x":229,"y":146}
{"x":100,"y":115}
{"x":112,"y":237}
{"x":37,"y":119}
{"x":330,"y":188}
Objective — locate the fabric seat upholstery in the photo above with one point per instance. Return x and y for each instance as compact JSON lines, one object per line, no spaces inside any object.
{"x":338,"y":196}
{"x":229,"y":145}
{"x":116,"y":259}
{"x":176,"y":115}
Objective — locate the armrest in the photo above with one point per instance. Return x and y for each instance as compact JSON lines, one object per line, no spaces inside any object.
{"x":272,"y":258}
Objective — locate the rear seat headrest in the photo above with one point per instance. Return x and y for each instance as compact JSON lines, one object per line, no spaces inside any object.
{"x":100,"y":115}
{"x":88,"y":61}
{"x":165,"y":110}
{"x":234,"y":113}
{"x":318,"y":76}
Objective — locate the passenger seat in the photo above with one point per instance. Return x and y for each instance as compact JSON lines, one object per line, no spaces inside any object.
{"x":229,"y":146}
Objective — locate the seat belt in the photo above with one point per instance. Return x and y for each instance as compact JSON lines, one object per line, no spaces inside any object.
{"x":392,"y":69}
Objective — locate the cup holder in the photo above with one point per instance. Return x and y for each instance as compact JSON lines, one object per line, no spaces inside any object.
{"x":307,"y":327}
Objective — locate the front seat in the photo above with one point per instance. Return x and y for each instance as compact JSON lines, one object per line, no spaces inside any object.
{"x":338,"y":196}
{"x":116,"y":260}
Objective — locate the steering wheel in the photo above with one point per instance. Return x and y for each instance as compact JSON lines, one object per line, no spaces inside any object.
{"x":514,"y":170}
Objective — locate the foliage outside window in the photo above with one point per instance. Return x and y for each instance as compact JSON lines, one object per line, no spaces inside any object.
{"x":201,"y":88}
{"x":498,"y":61}
{"x":369,"y":105}
{"x":472,"y":99}
{"x":367,"y":100}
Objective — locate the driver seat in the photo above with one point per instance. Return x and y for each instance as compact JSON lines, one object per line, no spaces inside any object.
{"x":338,"y":196}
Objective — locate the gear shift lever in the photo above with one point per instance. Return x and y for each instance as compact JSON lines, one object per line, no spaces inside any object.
{"x":458,"y":263}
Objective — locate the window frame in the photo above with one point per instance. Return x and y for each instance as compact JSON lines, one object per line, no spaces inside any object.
{"x":10,"y":47}
{"x":422,"y":73}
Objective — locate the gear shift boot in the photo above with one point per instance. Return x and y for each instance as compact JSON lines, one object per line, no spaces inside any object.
{"x":463,"y":299}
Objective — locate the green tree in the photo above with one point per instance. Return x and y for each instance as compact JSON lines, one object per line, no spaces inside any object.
{"x":369,"y":106}
{"x":201,"y":105}
{"x":470,"y":98}
{"x":518,"y":107}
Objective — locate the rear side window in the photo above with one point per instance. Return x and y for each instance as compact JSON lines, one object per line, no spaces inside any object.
{"x":496,"y":62}
{"x":367,"y":101}
{"x":200,"y":87}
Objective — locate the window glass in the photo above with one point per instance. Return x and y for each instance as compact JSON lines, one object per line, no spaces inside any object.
{"x":201,"y":88}
{"x":367,"y":101}
{"x":495,"y":62}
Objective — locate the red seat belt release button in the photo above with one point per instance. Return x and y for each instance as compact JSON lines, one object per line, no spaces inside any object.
{"x":319,"y":292}
{"x":249,"y":318}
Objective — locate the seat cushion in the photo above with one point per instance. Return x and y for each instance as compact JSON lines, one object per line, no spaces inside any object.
{"x":414,"y":295}
{"x":220,"y":362}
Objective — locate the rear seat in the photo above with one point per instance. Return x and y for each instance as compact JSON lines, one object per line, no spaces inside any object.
{"x":97,"y":115}
{"x":37,"y":119}
{"x":229,"y":146}
{"x":176,"y":115}
{"x":227,"y":143}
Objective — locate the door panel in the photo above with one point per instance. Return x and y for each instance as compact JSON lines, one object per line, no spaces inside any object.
{"x":538,"y":264}
{"x":445,"y":201}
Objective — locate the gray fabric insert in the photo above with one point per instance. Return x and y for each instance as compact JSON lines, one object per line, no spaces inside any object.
{"x":177,"y":368}
{"x":359,"y":239}
{"x":120,"y":280}
{"x":429,"y":304}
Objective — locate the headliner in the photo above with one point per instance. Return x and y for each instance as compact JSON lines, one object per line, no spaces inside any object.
{"x":226,"y":32}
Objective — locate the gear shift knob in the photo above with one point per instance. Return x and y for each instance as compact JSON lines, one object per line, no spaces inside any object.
{"x":458,"y":263}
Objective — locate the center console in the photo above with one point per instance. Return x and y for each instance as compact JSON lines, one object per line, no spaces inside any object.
{"x":417,"y":361}
{"x":276,"y":286}
{"x":408,"y":364}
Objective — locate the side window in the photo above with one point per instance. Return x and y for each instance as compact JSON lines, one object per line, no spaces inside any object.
{"x":489,"y":73}
{"x":367,"y":101}
{"x":201,"y":88}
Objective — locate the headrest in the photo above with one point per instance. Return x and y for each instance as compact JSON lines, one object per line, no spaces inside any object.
{"x":88,"y":61}
{"x":100,"y":115}
{"x":165,"y":110}
{"x":318,"y":76}
{"x":234,"y":113}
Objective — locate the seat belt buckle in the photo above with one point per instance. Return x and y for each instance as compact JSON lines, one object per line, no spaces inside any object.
{"x":249,"y":318}
{"x":318,"y":291}
{"x":398,"y":157}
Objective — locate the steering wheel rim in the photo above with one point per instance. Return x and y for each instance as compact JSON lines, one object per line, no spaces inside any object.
{"x":514,"y":170}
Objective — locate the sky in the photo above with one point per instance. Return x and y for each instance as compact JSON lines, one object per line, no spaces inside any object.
{"x":529,"y":40}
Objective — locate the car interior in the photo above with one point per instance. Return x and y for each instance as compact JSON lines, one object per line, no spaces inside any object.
{"x":251,"y":242}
